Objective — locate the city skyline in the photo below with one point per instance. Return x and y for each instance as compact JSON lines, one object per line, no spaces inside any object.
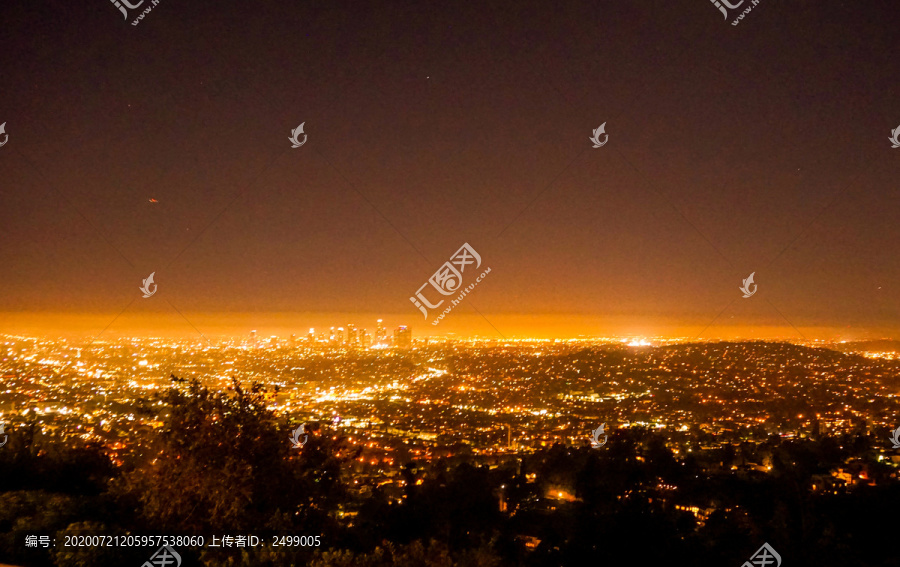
{"x":465,"y":326}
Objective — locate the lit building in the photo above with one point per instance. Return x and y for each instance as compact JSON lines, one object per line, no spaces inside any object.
{"x":403,"y":337}
{"x":380,"y":333}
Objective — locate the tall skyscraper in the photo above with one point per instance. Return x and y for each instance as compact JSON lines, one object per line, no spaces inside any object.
{"x":403,"y":337}
{"x":380,"y":333}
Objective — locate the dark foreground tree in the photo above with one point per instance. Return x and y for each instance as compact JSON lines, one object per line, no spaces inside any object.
{"x":222,"y":463}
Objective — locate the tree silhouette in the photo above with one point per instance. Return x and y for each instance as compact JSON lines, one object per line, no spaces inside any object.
{"x":223,"y":462}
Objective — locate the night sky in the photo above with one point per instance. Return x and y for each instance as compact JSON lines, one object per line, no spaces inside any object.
{"x":761,"y":147}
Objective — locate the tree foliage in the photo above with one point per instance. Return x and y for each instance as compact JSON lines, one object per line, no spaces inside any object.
{"x":221,"y":464}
